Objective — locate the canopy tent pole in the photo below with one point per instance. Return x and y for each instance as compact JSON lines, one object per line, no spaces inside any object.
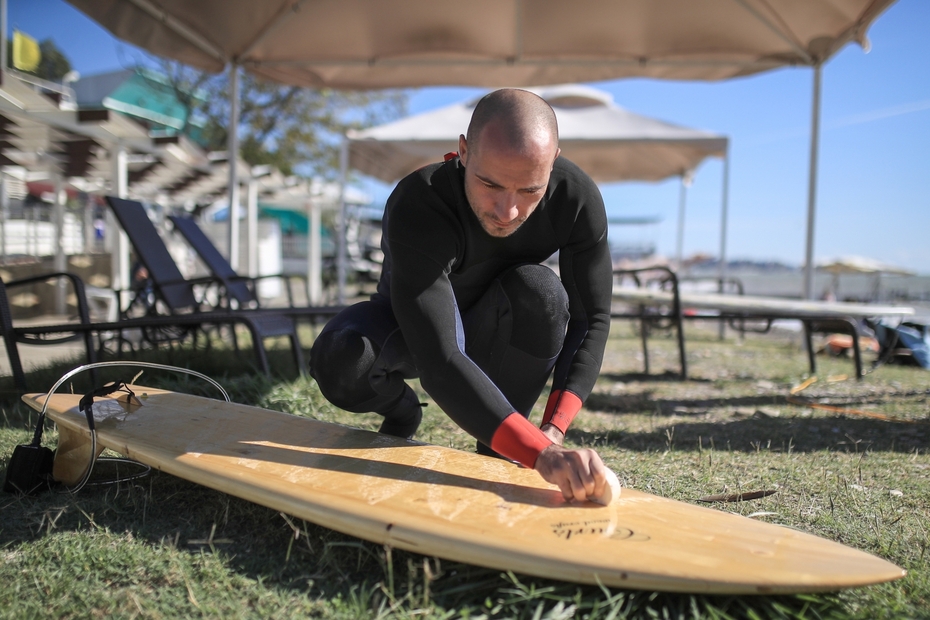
{"x":812,"y":186}
{"x":4,"y":188}
{"x":682,"y":197}
{"x":4,"y":209}
{"x":341,"y":223}
{"x":724,"y":208}
{"x":232,"y":155}
{"x":3,"y":58}
{"x":314,"y":254}
{"x":119,"y":246}
{"x":59,"y":262}
{"x":251,"y":227}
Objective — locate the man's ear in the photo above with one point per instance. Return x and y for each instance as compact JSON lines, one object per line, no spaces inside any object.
{"x":558,"y":151}
{"x":463,"y":150}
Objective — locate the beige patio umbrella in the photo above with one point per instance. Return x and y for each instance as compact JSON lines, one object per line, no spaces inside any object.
{"x":395,"y":43}
{"x":398,"y":43}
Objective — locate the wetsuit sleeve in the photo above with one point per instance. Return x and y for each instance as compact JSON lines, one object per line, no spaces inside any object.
{"x":586,"y":269}
{"x":423,"y":252}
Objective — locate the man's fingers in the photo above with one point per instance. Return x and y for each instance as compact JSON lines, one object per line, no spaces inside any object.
{"x":576,"y":486}
{"x":610,"y":491}
{"x":599,"y":473}
{"x":583,"y":480}
{"x":579,"y":474}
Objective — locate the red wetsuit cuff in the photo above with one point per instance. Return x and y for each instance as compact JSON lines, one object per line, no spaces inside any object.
{"x":517,"y":439}
{"x":561,"y":409}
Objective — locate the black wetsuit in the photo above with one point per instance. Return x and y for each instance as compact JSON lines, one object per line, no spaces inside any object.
{"x":481,"y":322}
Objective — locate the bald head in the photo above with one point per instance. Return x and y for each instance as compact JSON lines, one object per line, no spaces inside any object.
{"x":516,"y":119}
{"x":510,"y":151}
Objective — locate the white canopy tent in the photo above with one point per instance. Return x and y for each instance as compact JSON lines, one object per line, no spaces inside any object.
{"x":860,"y":265}
{"x":398,"y":43}
{"x":605,"y":140}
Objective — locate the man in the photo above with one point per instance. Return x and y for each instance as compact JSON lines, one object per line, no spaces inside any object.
{"x":464,"y":303}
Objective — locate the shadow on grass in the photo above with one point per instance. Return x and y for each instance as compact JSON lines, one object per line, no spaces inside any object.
{"x":646,"y":402}
{"x":165,"y":510}
{"x":752,"y":434}
{"x":665,"y":376}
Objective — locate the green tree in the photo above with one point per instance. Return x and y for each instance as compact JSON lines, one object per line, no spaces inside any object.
{"x":53,"y":66}
{"x":298,"y":130}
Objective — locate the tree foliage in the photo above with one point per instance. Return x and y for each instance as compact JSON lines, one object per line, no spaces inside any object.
{"x":53,"y":66}
{"x":298,"y":130}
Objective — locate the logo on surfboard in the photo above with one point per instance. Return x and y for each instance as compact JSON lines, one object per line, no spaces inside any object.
{"x":597,"y":527}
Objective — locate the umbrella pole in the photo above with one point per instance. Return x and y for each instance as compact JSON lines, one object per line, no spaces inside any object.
{"x":812,"y":186}
{"x":232,"y":155}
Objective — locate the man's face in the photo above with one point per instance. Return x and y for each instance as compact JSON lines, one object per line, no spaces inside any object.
{"x":504,"y":185}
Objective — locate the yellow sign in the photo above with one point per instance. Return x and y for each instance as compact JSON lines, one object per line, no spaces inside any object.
{"x":26,"y":53}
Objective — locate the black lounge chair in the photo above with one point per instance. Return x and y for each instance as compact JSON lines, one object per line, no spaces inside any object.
{"x":43,"y":335}
{"x":241,"y":289}
{"x":178,"y":298}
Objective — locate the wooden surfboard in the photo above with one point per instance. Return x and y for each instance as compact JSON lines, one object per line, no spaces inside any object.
{"x":453,"y":504}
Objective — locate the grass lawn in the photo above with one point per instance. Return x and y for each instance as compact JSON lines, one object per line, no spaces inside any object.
{"x":160,"y":547}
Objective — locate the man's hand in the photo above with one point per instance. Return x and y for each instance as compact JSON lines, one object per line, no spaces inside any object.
{"x":579,"y":474}
{"x":555,"y":435}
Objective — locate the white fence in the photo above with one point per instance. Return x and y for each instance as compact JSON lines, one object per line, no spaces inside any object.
{"x":37,"y":238}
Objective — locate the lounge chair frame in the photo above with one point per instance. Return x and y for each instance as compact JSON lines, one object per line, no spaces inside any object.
{"x":185,"y":308}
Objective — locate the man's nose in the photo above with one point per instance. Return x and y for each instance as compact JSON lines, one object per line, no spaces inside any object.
{"x":507,"y":209}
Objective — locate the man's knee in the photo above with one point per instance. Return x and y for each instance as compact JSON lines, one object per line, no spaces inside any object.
{"x":539,"y":305}
{"x":340,"y":361}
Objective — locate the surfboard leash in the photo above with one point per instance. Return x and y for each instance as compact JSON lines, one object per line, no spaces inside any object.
{"x":86,"y":406}
{"x":30,"y":467}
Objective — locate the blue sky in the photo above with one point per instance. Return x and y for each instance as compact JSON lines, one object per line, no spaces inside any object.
{"x":873,"y":191}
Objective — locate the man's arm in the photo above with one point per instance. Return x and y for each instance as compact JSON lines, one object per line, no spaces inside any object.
{"x":553,"y":432}
{"x":427,"y":313}
{"x":587,"y":274}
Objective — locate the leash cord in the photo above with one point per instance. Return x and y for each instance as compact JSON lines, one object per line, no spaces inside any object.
{"x":89,"y":412}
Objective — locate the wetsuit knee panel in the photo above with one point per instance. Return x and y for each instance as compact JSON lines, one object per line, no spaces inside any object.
{"x":539,"y":305}
{"x":340,"y":361}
